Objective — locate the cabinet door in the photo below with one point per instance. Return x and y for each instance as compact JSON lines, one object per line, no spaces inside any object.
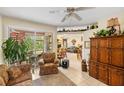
{"x":103,"y":42}
{"x":93,"y":69}
{"x":103,"y":73}
{"x":116,"y":76}
{"x":117,"y":42}
{"x":117,"y":57}
{"x":94,"y":42}
{"x":93,"y":54}
{"x":103,"y":55}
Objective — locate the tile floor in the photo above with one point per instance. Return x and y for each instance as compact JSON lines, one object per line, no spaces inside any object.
{"x":74,"y":73}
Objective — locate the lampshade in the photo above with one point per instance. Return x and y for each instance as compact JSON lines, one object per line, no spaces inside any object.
{"x":116,"y":22}
{"x":113,"y":22}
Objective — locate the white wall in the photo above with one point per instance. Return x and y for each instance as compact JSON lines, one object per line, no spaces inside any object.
{"x":1,"y":39}
{"x":70,"y":36}
{"x":102,"y":24}
{"x":86,"y":37}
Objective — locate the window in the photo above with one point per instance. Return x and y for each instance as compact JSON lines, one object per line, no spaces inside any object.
{"x":39,"y":43}
{"x":35,"y":40}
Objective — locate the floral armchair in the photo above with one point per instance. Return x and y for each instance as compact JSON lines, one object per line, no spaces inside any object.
{"x":49,"y":64}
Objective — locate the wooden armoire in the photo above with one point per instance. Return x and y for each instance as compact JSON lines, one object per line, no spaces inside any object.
{"x":107,"y":59}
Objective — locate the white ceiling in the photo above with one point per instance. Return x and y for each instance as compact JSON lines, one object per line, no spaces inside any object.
{"x":42,"y":15}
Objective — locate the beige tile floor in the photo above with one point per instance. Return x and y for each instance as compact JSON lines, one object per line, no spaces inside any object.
{"x":74,"y":73}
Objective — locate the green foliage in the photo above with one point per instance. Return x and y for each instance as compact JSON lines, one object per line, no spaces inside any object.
{"x":29,"y":43}
{"x":103,"y":32}
{"x":39,"y":45}
{"x":15,"y":51}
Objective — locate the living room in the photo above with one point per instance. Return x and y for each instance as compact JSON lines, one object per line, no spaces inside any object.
{"x":62,"y":35}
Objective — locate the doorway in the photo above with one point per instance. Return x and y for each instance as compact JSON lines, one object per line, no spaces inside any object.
{"x":71,"y":43}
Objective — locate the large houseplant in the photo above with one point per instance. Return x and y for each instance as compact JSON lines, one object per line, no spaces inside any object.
{"x":103,"y":32}
{"x":14,"y":51}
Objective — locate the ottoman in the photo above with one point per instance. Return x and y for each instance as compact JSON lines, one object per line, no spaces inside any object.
{"x":65,"y":63}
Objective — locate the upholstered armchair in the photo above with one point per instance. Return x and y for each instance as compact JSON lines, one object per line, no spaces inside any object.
{"x":49,"y":64}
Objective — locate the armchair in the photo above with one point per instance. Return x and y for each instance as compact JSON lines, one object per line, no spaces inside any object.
{"x":48,"y":65}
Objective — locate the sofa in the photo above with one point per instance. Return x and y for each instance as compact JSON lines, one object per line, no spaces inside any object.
{"x":49,"y":64}
{"x":14,"y":74}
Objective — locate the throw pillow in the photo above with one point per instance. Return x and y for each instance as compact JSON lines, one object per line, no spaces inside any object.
{"x":14,"y":72}
{"x":25,"y":67}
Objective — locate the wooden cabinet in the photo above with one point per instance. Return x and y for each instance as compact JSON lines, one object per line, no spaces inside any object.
{"x":107,"y":59}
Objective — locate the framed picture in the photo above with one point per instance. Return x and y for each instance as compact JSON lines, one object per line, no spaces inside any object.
{"x":86,"y":44}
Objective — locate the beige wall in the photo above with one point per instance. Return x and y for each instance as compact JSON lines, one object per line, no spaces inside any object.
{"x":7,"y":22}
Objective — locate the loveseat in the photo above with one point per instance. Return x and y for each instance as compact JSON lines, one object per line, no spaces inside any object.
{"x":14,"y":74}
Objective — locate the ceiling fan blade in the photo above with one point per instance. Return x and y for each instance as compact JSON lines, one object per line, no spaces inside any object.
{"x":83,"y":8}
{"x":65,"y":17}
{"x":76,"y":16}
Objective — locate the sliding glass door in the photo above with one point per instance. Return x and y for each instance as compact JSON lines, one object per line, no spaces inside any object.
{"x":38,"y":41}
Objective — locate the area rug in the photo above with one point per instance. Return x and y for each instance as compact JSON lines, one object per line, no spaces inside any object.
{"x":25,"y":83}
{"x":53,"y":80}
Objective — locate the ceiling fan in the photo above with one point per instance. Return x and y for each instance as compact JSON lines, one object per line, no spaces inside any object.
{"x":71,"y":12}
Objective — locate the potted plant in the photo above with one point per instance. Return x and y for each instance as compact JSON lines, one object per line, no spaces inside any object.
{"x":14,"y":51}
{"x":102,"y":33}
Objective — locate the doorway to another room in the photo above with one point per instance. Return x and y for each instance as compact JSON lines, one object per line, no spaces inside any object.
{"x":69,"y":46}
